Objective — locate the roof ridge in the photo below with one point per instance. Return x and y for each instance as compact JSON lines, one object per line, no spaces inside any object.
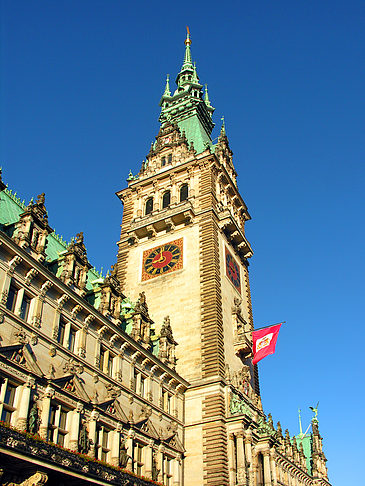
{"x":15,"y":198}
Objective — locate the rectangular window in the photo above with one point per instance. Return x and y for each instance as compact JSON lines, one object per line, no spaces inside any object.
{"x":103,"y":442}
{"x":57,"y":424}
{"x":61,"y":332}
{"x":8,"y":402}
{"x":11,"y":300}
{"x":102,"y":357}
{"x":168,"y":474}
{"x":167,"y":397}
{"x":25,"y":306}
{"x":142,"y":385}
{"x":138,"y":458}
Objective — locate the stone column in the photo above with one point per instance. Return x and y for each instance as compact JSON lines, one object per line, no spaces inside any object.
{"x":46,"y":405}
{"x":19,"y":301}
{"x":97,"y":352}
{"x":273,"y":467}
{"x":174,"y":194}
{"x":75,"y":428}
{"x":254,"y":470}
{"x":56,"y":323}
{"x":160,"y":464}
{"x":232,"y":460}
{"x":24,"y":404}
{"x":4,"y":291}
{"x":267,"y":472}
{"x":81,"y":342}
{"x":241,"y":461}
{"x":149,"y":394}
{"x":176,"y":467}
{"x":129,"y":444}
{"x":115,"y":444}
{"x":174,"y":411}
{"x":248,"y":451}
{"x":148,"y":459}
{"x":92,"y":432}
{"x":119,"y":367}
{"x":37,"y":311}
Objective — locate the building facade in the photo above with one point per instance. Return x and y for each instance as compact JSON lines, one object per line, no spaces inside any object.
{"x":146,"y":371}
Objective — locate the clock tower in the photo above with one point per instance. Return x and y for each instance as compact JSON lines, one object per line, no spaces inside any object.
{"x":183,"y":244}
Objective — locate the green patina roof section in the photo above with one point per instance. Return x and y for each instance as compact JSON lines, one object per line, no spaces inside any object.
{"x":195,"y":133}
{"x":306,"y":440}
{"x":11,"y":207}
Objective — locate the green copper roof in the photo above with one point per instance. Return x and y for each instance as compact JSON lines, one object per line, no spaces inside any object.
{"x":186,"y":107}
{"x":11,"y":207}
{"x":306,"y":440}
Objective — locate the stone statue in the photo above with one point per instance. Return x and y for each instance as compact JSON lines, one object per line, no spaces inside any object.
{"x":270,"y":421}
{"x":315,"y":411}
{"x":155,"y":470}
{"x":33,"y":419}
{"x":84,"y":441}
{"x":40,"y":198}
{"x":123,"y":454}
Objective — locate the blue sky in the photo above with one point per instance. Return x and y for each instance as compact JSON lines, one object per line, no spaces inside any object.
{"x":81,"y":83}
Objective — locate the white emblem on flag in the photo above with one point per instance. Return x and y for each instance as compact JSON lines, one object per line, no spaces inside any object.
{"x":264,"y":341}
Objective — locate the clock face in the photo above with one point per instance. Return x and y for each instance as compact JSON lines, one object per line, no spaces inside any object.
{"x":162,"y":259}
{"x":233,"y":271}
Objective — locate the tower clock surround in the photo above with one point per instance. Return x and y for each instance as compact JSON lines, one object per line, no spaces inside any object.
{"x":162,"y":259}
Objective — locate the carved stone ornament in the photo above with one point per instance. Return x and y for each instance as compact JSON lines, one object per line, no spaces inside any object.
{"x":265,"y":428}
{"x":73,"y":367}
{"x":112,"y":390}
{"x":239,"y":406}
{"x":21,"y":337}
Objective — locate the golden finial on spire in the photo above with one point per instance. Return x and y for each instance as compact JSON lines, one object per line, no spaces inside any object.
{"x":187,"y":40}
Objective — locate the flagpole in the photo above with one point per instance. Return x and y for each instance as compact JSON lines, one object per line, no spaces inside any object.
{"x":259,"y":328}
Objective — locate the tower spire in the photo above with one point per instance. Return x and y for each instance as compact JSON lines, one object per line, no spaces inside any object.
{"x":223,"y":128}
{"x":167,"y":91}
{"x":206,"y":96}
{"x":186,"y":106}
{"x":187,"y":57}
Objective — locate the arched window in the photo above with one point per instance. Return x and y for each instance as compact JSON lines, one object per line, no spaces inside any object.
{"x":149,"y":205}
{"x":184,"y":192}
{"x":166,"y":199}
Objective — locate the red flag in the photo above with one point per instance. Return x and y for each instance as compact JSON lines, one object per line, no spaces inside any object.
{"x":264,"y":342}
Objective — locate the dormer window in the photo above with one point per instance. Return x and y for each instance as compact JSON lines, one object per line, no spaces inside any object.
{"x":149,"y":206}
{"x":184,"y":192}
{"x":166,"y":198}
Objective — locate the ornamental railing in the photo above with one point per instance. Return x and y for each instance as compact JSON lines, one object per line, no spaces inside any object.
{"x":33,"y":447}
